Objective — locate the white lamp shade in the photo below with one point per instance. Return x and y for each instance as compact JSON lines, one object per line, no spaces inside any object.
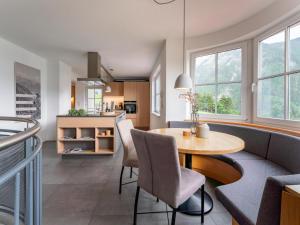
{"x":107,"y":89}
{"x":183,"y":82}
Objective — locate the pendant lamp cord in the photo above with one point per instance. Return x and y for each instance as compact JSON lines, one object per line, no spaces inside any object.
{"x":184,"y":30}
{"x":183,"y":44}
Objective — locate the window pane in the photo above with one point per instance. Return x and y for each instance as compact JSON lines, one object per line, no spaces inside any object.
{"x":295,"y":97}
{"x":294,"y":47}
{"x":157,"y":85}
{"x":157,"y":103}
{"x":91,"y":93}
{"x":271,"y":98}
{"x":206,"y":98}
{"x":205,"y":69}
{"x":230,"y":66}
{"x":91,"y":104}
{"x":98,"y":103}
{"x":229,"y":99}
{"x":98,"y":93}
{"x":91,"y":111}
{"x":272,"y":55}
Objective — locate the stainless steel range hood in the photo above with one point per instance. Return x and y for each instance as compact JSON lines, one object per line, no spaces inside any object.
{"x":91,"y":81}
{"x":97,"y":74}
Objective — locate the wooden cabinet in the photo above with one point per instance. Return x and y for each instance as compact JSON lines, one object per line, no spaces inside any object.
{"x":117,"y":89}
{"x":290,"y":205}
{"x":132,"y":117}
{"x":87,"y":135}
{"x":143,"y":104}
{"x":139,"y":92}
{"x":130,"y":91}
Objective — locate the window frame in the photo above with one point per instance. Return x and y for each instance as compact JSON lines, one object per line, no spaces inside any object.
{"x":244,"y":79}
{"x":285,"y":26}
{"x":87,"y":97}
{"x":156,"y":93}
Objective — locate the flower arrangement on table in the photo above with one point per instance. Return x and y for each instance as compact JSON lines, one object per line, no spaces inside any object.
{"x":193,"y":99}
{"x":201,"y":130}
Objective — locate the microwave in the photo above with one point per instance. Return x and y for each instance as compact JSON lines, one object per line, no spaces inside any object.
{"x":130,"y":107}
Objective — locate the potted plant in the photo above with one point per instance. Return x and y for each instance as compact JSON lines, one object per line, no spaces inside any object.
{"x":75,"y":112}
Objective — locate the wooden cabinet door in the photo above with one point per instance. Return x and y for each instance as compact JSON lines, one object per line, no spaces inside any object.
{"x":134,"y":122}
{"x":143,"y":104}
{"x":117,"y":89}
{"x":130,"y":91}
{"x":132,"y":117}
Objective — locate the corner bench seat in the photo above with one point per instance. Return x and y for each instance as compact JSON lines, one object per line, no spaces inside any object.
{"x":242,"y":198}
{"x":268,"y":163}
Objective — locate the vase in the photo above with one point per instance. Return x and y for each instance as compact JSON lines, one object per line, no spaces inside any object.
{"x":194,"y":118}
{"x":202,"y":130}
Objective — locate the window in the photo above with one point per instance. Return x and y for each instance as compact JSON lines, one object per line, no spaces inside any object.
{"x":94,"y":100}
{"x":156,"y":92}
{"x":278,"y":75}
{"x":218,"y":79}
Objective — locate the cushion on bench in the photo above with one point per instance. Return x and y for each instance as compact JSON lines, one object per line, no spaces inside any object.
{"x":285,"y":151}
{"x":268,"y":163}
{"x":233,"y":158}
{"x":242,"y":198}
{"x":243,"y":155}
{"x":179,"y":124}
{"x":256,"y":141}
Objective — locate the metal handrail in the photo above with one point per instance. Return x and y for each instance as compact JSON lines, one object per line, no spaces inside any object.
{"x":21,"y":136}
{"x":28,"y":172}
{"x":8,"y":175}
{"x":9,"y":131}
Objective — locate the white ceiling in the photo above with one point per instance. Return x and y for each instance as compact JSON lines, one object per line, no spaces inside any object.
{"x":127,"y":33}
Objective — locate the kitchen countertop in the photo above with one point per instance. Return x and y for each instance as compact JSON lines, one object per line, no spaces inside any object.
{"x":119,"y":113}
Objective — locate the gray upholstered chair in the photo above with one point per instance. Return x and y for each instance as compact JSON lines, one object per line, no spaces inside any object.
{"x":160,"y":173}
{"x":130,"y":156}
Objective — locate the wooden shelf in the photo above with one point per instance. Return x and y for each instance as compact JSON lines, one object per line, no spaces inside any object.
{"x":78,"y":129}
{"x":105,"y":151}
{"x":106,"y":136}
{"x":91,"y":152}
{"x":84,"y":152}
{"x":78,"y":139}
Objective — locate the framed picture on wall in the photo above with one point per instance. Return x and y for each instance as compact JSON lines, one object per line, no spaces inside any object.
{"x":28,"y":91}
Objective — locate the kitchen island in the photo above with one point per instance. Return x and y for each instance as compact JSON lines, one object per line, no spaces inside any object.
{"x":88,"y":135}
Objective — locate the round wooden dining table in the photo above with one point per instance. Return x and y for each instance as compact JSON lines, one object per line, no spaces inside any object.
{"x":217,"y":143}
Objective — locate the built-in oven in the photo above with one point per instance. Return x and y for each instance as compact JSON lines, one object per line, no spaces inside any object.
{"x":130,"y":107}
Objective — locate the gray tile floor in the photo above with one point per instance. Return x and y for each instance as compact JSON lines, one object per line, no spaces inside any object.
{"x":84,"y":191}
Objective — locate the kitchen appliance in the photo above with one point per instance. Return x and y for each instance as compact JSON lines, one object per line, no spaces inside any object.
{"x":130,"y":107}
{"x":97,"y":74}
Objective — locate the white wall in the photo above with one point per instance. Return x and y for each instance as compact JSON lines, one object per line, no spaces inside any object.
{"x":65,"y":83}
{"x":277,"y":12}
{"x":9,"y":54}
{"x":56,"y":78}
{"x":155,"y":120}
{"x":60,"y":77}
{"x":53,"y":95}
{"x":175,"y":107}
{"x":171,"y":55}
{"x":170,"y":61}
